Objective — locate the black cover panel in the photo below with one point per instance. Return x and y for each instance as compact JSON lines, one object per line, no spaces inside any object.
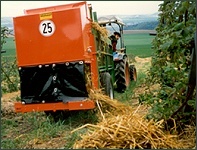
{"x":53,"y":83}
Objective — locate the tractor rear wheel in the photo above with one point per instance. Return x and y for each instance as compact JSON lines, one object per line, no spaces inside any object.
{"x":106,"y":83}
{"x":122,"y":75}
{"x":133,"y":73}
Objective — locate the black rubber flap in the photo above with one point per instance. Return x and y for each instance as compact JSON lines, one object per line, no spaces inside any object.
{"x":50,"y":83}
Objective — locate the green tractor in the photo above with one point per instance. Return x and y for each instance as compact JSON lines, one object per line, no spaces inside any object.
{"x":124,"y":72}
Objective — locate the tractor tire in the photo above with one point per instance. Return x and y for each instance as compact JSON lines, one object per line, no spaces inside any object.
{"x":133,"y":73}
{"x":122,"y":75}
{"x":106,"y":83}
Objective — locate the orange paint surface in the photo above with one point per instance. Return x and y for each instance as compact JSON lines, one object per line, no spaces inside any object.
{"x":70,"y":39}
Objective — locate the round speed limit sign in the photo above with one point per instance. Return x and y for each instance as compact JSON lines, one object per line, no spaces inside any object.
{"x":47,"y":28}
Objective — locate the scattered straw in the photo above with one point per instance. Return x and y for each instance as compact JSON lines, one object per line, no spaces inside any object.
{"x":102,"y":30}
{"x":121,"y":126}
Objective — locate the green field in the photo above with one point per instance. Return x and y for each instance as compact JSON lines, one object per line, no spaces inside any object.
{"x":137,"y":44}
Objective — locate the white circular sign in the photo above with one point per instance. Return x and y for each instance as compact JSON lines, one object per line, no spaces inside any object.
{"x":47,"y":28}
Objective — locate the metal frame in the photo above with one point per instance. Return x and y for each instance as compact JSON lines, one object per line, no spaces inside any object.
{"x":76,"y":105}
{"x":116,"y":20}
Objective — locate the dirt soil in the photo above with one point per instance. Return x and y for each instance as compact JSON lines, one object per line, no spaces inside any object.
{"x":142,"y":64}
{"x":7,"y":102}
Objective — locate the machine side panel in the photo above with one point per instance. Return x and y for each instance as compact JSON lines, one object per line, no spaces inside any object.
{"x":65,"y":43}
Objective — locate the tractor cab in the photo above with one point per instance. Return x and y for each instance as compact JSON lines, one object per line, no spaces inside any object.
{"x":124,"y":72}
{"x":114,"y":24}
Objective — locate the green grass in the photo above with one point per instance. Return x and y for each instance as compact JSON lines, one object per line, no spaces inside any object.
{"x":138,"y":44}
{"x":19,"y":130}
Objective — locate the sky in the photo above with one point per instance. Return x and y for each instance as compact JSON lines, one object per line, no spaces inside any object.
{"x":16,"y":8}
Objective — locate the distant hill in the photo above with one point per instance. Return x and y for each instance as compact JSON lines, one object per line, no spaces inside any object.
{"x":149,"y":25}
{"x":132,"y":22}
{"x":7,"y":21}
{"x":140,"y":22}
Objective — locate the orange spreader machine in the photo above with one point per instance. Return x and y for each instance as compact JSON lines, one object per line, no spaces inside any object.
{"x":54,"y":45}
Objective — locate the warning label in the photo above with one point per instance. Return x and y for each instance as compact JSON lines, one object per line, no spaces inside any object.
{"x":45,"y":16}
